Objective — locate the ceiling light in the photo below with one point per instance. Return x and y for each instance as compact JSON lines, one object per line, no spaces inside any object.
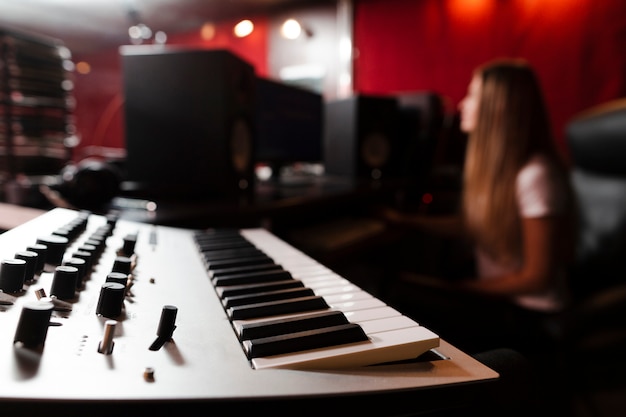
{"x":291,"y":29}
{"x":139,"y":33}
{"x":243,"y":28}
{"x":160,"y":37}
{"x":207,"y":32}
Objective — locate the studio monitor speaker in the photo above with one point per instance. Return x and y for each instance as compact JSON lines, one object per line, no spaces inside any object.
{"x":422,"y":117}
{"x":360,"y":138}
{"x":189,"y":122}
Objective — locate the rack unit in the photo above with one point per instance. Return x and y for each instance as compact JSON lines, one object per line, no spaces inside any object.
{"x":36,"y":108}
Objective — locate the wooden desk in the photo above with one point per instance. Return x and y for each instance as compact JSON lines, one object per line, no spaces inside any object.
{"x":277,"y":206}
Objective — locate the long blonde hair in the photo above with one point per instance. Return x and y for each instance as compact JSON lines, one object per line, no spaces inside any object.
{"x":512,"y":126}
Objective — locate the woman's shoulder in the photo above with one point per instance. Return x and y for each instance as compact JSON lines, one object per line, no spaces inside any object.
{"x":541,"y":168}
{"x":541,"y":187}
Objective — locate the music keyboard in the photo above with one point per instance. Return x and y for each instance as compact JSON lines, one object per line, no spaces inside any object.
{"x":168,"y":342}
{"x":386,"y":335}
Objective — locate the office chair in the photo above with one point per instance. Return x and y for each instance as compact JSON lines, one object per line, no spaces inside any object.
{"x":597,"y":142}
{"x":591,"y":334}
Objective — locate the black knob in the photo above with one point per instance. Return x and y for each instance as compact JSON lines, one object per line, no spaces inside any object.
{"x":32,"y":327}
{"x":112,"y":220}
{"x":128,"y":247}
{"x":12,"y":275}
{"x":88,"y":248}
{"x":118,"y":277}
{"x":31,"y":259}
{"x":91,"y":249}
{"x":97,"y":242}
{"x":106,"y":230}
{"x":167,"y":323}
{"x":40,"y":249}
{"x":122,"y":264}
{"x":56,"y":248}
{"x":65,"y":232}
{"x":78,"y":225}
{"x":81,"y":266}
{"x":64,"y":282}
{"x":88,"y":257}
{"x":111,"y":300}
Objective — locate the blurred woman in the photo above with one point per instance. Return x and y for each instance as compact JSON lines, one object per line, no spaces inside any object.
{"x":517,"y":204}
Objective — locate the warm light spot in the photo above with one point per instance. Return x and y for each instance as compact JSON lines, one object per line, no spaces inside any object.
{"x":470,"y":9}
{"x":207,"y":32}
{"x":427,"y":198}
{"x":554,"y":9}
{"x":243,"y":28}
{"x":83,"y":67}
{"x":291,"y":29}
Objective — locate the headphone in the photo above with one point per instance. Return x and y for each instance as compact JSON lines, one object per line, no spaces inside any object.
{"x":90,"y":184}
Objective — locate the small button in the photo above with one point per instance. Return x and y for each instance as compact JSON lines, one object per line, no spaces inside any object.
{"x":148,"y":374}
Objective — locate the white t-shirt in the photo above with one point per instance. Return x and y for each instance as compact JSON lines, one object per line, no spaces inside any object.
{"x":538,"y":195}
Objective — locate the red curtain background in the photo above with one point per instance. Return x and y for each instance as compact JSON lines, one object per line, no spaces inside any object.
{"x":578,"y":47}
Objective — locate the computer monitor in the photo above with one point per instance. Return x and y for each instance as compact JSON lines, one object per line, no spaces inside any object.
{"x":289,"y":122}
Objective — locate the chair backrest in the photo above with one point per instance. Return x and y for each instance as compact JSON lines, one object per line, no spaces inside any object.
{"x":597,"y":142}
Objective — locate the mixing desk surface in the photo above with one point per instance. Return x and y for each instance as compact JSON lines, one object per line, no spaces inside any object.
{"x":97,"y":312}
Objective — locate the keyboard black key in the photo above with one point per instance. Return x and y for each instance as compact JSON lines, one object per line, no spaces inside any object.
{"x":231,"y":253}
{"x":232,"y":290}
{"x":311,"y":339}
{"x":245,"y":268}
{"x":230,"y":263}
{"x":230,"y":244}
{"x":263,"y":297}
{"x":217,"y":234}
{"x":275,"y":308}
{"x":296,"y":324}
{"x":251,"y":277}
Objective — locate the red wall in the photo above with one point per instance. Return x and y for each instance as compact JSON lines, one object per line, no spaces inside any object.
{"x":578,"y":47}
